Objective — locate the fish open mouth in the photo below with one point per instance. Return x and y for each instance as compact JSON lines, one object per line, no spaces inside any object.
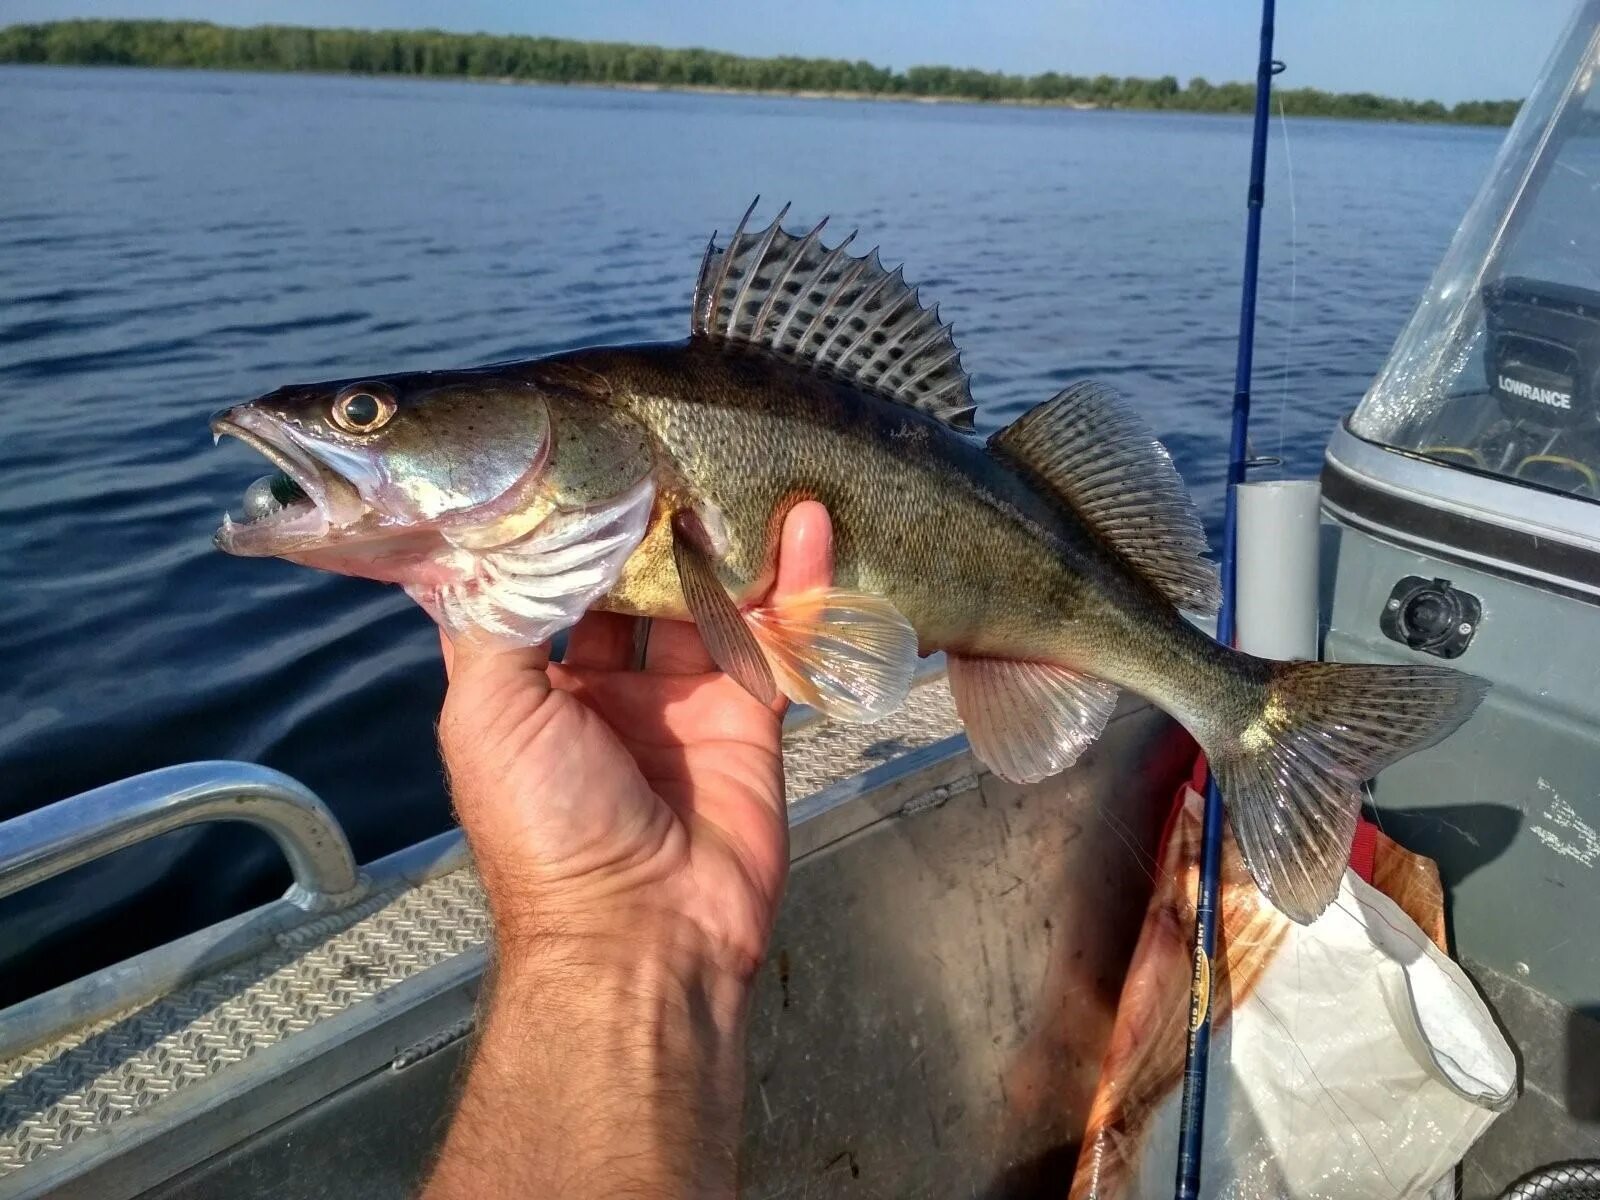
{"x":291,"y":507}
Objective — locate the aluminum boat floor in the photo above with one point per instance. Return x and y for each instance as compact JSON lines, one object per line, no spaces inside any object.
{"x":930,"y":1022}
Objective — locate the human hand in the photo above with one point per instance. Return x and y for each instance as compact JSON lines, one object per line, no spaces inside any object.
{"x":630,"y":831}
{"x":597,"y":797}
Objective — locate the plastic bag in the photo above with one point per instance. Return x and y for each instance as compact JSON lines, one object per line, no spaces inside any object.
{"x":1350,"y":1058}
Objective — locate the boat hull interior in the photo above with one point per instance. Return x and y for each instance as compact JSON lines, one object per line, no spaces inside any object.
{"x":931,"y":1020}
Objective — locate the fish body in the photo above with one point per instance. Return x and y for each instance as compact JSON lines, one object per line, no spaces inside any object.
{"x":979,"y":559}
{"x":1049,"y":563}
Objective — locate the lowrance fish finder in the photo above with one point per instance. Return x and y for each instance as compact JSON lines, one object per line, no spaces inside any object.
{"x":1498,"y":371}
{"x":1542,"y":352}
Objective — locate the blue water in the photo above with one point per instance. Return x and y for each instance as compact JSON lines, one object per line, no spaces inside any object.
{"x":174,"y":242}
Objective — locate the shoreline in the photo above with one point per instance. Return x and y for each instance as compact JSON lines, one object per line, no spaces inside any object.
{"x":705,"y":89}
{"x":700,"y":89}
{"x":711,"y":89}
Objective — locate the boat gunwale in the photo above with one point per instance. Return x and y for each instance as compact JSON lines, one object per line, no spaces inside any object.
{"x":165,"y":969}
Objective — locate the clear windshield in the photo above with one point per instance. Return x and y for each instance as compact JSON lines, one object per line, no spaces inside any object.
{"x":1499,"y":367}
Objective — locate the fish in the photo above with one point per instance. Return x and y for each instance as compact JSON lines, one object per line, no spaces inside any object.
{"x":1052,"y":562}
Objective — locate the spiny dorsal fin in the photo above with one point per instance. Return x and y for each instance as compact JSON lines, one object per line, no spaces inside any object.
{"x":1102,"y":459}
{"x":833,"y":312}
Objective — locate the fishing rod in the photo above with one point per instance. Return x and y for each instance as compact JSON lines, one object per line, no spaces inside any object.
{"x":1197,"y":1055}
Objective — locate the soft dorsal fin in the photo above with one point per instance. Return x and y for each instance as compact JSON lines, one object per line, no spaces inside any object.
{"x":834,"y":312}
{"x":1101,"y":458}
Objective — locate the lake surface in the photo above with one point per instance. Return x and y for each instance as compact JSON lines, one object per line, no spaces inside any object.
{"x":171,"y":243}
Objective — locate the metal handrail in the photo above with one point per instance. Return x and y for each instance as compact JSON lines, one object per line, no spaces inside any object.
{"x":47,"y":841}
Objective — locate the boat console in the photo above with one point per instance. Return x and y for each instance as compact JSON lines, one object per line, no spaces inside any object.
{"x":1462,"y":500}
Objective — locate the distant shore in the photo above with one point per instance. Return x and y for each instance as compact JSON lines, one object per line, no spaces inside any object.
{"x":488,"y":58}
{"x":705,"y":89}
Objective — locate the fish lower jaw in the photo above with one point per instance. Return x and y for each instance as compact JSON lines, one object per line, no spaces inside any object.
{"x":274,"y":533}
{"x":411,"y":558}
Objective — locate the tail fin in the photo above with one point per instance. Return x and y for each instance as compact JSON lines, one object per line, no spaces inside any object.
{"x":1292,"y":776}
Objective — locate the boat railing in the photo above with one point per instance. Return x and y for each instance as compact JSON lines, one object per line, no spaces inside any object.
{"x":327,"y":882}
{"x":329,"y":887}
{"x":58,"y":837}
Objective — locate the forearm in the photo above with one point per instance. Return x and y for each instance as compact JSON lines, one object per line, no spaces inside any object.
{"x":605,"y":1067}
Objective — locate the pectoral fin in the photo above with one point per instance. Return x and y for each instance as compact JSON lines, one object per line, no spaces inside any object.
{"x":847,"y":654}
{"x":722,"y":626}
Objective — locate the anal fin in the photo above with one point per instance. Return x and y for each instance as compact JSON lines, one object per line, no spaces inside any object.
{"x":722,"y":626}
{"x":848,"y":654}
{"x":1028,"y":720}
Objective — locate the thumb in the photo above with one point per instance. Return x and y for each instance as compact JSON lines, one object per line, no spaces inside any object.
{"x":494,"y":693}
{"x":473,"y":651}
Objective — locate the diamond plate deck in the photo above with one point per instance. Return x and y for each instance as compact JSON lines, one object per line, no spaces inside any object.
{"x":82,"y":1084}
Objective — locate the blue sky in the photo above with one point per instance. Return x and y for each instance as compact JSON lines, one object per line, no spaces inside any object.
{"x":1427,"y":49}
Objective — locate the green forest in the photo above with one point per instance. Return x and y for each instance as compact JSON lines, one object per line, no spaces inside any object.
{"x":434,"y":54}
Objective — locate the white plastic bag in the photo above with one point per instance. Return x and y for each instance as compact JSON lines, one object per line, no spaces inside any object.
{"x":1350,"y":1059}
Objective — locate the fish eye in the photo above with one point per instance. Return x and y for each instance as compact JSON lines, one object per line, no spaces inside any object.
{"x":362,"y":409}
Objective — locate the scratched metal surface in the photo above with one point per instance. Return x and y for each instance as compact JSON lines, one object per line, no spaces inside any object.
{"x":929,"y":1025}
{"x":942,"y":983}
{"x":1557,"y":1115}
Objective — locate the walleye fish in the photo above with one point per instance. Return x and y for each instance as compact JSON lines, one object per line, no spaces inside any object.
{"x":1049,"y":563}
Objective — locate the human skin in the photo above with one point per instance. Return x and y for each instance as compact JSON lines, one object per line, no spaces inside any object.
{"x":630,"y":832}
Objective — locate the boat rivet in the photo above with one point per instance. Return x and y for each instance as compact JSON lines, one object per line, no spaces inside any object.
{"x":1393,"y":604}
{"x":1464,"y":628}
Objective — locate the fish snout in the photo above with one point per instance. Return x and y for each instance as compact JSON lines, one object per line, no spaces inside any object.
{"x":223,"y":420}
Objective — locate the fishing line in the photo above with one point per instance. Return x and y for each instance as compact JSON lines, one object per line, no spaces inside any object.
{"x":1294,"y":280}
{"x":1326,"y":1093}
{"x":1370,"y":804}
{"x":1196,"y":1062}
{"x":1124,"y":832}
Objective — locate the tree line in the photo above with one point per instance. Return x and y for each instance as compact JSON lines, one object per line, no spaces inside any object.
{"x":436,"y":54}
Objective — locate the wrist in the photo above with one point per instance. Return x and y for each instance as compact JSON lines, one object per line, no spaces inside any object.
{"x":652,"y":931}
{"x":630,"y":1050}
{"x":657,"y":968}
